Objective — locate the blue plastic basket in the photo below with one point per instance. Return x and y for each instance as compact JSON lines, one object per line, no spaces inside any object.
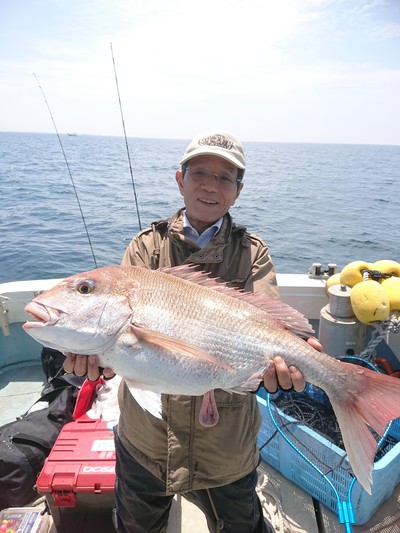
{"x":331,"y":461}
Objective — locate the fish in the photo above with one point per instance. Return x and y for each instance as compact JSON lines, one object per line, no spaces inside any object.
{"x":180,"y":331}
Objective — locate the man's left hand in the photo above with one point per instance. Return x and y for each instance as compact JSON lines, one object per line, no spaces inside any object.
{"x":279,"y":375}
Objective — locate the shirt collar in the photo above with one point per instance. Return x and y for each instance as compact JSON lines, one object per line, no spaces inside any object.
{"x":205,"y":237}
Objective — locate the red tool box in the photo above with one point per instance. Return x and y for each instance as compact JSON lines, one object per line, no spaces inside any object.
{"x":78,"y":477}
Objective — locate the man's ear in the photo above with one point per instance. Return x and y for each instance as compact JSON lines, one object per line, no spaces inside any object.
{"x":239,"y":190}
{"x":179,"y":180}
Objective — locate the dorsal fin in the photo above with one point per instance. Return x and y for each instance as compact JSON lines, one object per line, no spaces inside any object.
{"x":289,"y":317}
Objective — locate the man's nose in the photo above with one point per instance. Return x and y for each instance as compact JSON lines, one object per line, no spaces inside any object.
{"x":211,"y":181}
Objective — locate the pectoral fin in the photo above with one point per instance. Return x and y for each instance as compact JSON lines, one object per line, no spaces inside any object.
{"x":148,"y":400}
{"x":176,"y":346}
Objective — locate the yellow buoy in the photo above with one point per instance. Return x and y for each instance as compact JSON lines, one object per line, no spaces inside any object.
{"x":352,"y":273}
{"x":387,"y":266}
{"x":370,"y":302}
{"x":392,"y":288}
{"x":332,"y":280}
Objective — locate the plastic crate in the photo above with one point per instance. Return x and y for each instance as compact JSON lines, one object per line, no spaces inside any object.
{"x":330,"y":459}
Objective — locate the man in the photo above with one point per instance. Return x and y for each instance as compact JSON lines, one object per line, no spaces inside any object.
{"x":214,"y":467}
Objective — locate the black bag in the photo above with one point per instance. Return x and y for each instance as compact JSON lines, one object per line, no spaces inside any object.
{"x":25,"y":444}
{"x":52,"y":362}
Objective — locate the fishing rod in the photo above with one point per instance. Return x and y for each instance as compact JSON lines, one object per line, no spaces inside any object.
{"x":69,"y":171}
{"x":126,"y":140}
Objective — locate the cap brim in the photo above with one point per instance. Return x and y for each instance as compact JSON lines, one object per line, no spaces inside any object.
{"x":210,"y":151}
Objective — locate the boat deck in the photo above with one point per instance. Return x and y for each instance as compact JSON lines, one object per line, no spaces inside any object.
{"x":20,"y":386}
{"x":287,"y":506}
{"x":289,"y":509}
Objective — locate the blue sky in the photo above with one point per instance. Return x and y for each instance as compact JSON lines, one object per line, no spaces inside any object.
{"x":268,"y":70}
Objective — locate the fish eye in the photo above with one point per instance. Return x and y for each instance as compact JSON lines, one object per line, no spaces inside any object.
{"x":85,"y":286}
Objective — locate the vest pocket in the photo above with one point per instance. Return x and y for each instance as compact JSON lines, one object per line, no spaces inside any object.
{"x":227,"y":399}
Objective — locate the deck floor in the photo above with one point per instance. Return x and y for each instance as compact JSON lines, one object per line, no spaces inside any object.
{"x":289,"y":509}
{"x":20,"y":386}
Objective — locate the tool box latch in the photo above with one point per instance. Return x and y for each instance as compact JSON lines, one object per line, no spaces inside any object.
{"x":63,"y":489}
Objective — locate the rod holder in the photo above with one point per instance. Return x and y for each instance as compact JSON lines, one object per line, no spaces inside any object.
{"x":5,"y":328}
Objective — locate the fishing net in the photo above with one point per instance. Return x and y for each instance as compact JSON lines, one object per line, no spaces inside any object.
{"x":318,"y":416}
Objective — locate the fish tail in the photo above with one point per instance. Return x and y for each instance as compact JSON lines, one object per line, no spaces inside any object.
{"x":373,"y":400}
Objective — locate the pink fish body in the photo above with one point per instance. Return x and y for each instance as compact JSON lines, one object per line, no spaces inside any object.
{"x":179,"y":332}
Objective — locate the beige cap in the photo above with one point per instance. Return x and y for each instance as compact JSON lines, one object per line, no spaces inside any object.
{"x":220,"y":143}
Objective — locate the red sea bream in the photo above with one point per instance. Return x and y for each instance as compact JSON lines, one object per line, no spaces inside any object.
{"x":178,"y":332}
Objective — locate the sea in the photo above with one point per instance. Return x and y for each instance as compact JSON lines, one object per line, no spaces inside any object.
{"x":71,"y":202}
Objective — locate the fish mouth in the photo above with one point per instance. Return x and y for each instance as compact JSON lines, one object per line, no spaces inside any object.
{"x":43,"y":315}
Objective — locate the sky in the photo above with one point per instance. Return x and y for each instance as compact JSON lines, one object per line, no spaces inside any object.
{"x":324,"y":71}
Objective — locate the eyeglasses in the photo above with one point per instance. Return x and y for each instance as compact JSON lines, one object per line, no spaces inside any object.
{"x":201,"y":175}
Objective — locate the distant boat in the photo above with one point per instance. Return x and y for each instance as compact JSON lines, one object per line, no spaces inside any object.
{"x":72,"y":134}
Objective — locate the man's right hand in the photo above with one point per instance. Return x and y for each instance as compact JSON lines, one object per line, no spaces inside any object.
{"x":82,"y":365}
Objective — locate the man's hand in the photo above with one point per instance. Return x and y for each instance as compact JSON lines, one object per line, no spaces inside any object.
{"x":278,"y":374}
{"x":82,"y":365}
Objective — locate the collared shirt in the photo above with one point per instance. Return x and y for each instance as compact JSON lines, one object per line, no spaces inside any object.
{"x":204,"y":238}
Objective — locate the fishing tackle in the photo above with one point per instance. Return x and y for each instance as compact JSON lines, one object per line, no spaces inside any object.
{"x":69,"y":170}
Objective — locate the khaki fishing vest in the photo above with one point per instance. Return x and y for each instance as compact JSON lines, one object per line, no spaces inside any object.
{"x":176,"y":448}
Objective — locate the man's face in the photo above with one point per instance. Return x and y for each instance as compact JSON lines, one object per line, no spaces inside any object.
{"x":208,"y":197}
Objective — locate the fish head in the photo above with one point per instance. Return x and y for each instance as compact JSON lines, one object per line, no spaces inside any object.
{"x":84,"y":313}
